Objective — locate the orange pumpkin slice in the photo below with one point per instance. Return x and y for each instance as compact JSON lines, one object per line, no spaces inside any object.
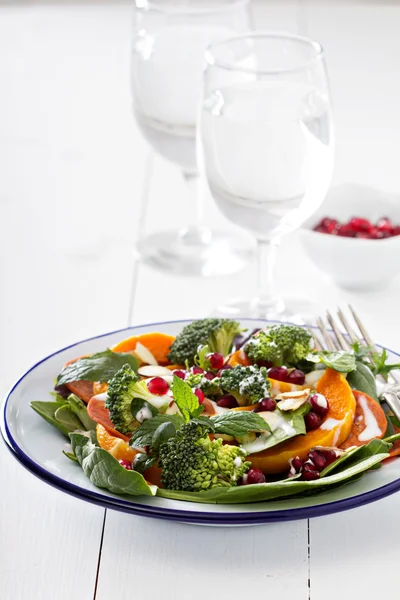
{"x":157,"y":343}
{"x":333,"y":431}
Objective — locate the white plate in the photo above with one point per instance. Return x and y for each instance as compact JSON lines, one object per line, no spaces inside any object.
{"x":38,"y":446}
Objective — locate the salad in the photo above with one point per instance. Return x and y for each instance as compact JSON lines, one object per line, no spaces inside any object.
{"x":221,"y":415}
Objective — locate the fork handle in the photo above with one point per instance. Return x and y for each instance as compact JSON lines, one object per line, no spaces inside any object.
{"x":393,"y":401}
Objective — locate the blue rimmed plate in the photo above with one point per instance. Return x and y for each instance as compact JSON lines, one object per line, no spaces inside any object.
{"x":38,"y":447}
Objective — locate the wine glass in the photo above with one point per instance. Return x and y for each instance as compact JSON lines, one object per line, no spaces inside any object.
{"x":266,"y":138}
{"x":170,"y":38}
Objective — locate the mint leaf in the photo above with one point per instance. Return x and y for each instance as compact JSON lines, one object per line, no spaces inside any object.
{"x":343,"y":362}
{"x":239,"y":423}
{"x":376,"y":361}
{"x":143,"y":436}
{"x":97,"y":367}
{"x":186,"y":400}
{"x":104,"y":471}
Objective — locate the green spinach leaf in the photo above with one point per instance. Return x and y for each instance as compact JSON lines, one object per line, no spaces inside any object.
{"x":97,"y":367}
{"x":239,"y":423}
{"x":143,"y":436}
{"x":142,"y":462}
{"x":104,"y":471}
{"x":47,"y":411}
{"x":363,"y":380}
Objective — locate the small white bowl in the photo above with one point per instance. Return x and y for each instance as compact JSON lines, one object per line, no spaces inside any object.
{"x":355,"y":263}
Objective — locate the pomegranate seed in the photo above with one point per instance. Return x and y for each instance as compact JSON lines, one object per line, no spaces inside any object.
{"x":209,"y":375}
{"x":126,"y":464}
{"x":320,"y":229}
{"x":255,"y":476}
{"x":227,"y":401}
{"x":197,"y":370}
{"x":224,"y":368}
{"x":346,"y":231}
{"x":200,"y":395}
{"x":385,"y":225}
{"x":396,"y":230}
{"x":319,"y":404}
{"x":309,"y":474}
{"x":278,"y":373}
{"x":296,"y":376}
{"x":358,"y":224}
{"x":297,"y":464}
{"x":158,"y":386}
{"x":329,"y":455}
{"x":179,"y":373}
{"x":268,"y":404}
{"x":318,"y":459}
{"x":216,"y":360}
{"x":265,"y":363}
{"x":312,"y":421}
{"x":327,"y":225}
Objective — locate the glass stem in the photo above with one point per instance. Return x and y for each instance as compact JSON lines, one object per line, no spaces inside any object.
{"x":267,"y":300}
{"x":195,"y":233}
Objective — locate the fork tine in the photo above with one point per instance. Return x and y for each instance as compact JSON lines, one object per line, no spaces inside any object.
{"x":318,"y":345}
{"x":347,"y":327}
{"x":327,"y":338}
{"x":341,"y":340}
{"x":363,"y":331}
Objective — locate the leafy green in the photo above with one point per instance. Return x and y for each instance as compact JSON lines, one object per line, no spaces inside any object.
{"x":349,"y":456}
{"x":64,"y":416}
{"x":142,"y":461}
{"x":143,"y":436}
{"x":238,"y":423}
{"x":162,"y":434}
{"x":363,"y":380}
{"x":186,"y":400}
{"x":78,"y":407}
{"x":104,"y":471}
{"x":70,"y":455}
{"x":344,"y":362}
{"x":97,"y":367}
{"x":376,"y":361}
{"x":47,"y":411}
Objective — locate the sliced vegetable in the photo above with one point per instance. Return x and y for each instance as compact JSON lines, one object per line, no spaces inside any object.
{"x":333,"y":431}
{"x":114,"y":445}
{"x":82,"y":389}
{"x":157,"y":343}
{"x":99,"y":413}
{"x":369,"y":422}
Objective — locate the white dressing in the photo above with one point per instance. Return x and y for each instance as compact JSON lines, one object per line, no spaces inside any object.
{"x":330,"y":423}
{"x":143,"y":414}
{"x":372,"y":429}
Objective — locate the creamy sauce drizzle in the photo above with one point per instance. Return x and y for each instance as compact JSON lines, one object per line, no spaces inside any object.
{"x":372,"y":429}
{"x":330,"y":424}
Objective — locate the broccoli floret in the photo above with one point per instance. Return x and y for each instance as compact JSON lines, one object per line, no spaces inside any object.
{"x":191,"y":462}
{"x":122,"y":389}
{"x":218,"y":334}
{"x":210,"y":387}
{"x":280,"y":345}
{"x":247,"y":384}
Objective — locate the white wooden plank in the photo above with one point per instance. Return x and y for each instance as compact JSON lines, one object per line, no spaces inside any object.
{"x":72,"y":174}
{"x":171,"y":561}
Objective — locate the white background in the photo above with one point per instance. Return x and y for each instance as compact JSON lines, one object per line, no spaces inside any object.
{"x":77,"y":186}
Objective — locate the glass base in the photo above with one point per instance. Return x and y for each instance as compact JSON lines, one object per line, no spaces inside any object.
{"x":292,"y":309}
{"x":195,"y":252}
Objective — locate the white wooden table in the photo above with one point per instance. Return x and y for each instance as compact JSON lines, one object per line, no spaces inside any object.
{"x":77,"y":186}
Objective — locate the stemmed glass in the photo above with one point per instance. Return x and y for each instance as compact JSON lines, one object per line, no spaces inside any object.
{"x":170,"y":38}
{"x":266,"y":138}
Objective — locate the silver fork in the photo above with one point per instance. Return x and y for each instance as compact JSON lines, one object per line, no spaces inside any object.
{"x":338,"y":341}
